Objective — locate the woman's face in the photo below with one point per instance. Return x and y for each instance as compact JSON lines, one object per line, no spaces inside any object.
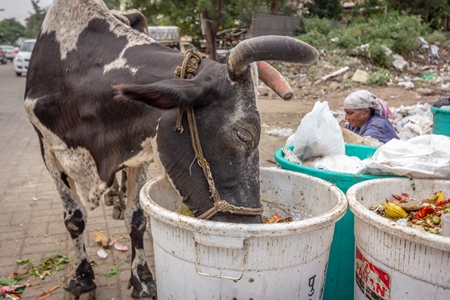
{"x":357,"y":117}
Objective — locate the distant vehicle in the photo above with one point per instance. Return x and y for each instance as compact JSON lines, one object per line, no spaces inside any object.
{"x":9,"y":51}
{"x":22,"y":59}
{"x":170,"y":36}
{"x":3,"y":58}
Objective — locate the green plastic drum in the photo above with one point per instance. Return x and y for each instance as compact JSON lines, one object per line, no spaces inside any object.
{"x":441,"y":121}
{"x":340,"y":274}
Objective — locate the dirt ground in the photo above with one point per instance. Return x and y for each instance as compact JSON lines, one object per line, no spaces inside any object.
{"x":277,"y":113}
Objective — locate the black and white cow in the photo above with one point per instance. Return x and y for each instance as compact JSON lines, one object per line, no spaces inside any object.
{"x":103,"y":98}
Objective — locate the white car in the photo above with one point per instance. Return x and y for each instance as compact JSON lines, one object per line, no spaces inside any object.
{"x":22,"y":58}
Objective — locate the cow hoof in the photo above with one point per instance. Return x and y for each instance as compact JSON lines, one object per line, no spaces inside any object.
{"x":147,"y":290}
{"x":87,"y":296}
{"x":81,"y":289}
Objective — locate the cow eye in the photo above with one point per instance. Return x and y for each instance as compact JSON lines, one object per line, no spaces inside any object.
{"x":243,"y":136}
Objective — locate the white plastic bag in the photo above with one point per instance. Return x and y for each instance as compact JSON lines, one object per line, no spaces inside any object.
{"x":425,"y":156}
{"x":336,"y":163}
{"x":318,"y":134}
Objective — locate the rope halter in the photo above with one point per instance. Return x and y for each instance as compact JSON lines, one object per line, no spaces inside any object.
{"x":188,"y":70}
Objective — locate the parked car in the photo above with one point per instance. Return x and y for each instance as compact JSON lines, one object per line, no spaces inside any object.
{"x":9,"y":51}
{"x":23,"y":57}
{"x":3,"y":58}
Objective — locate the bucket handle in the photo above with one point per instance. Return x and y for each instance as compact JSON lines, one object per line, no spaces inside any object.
{"x":244,"y":247}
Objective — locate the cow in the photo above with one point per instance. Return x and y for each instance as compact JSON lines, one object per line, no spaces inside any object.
{"x":105,"y":98}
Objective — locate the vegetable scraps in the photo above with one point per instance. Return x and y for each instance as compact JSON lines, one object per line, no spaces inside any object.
{"x":424,"y":215}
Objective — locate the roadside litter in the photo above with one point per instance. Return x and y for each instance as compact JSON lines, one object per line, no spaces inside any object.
{"x":11,"y":292}
{"x":106,"y":243}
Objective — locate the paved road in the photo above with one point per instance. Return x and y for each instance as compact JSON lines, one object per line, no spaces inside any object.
{"x":31,"y":215}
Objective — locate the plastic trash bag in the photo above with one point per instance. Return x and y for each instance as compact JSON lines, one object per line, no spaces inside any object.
{"x":442,"y":102}
{"x":318,"y":134}
{"x":336,"y":163}
{"x":412,"y":126}
{"x":433,"y":52}
{"x":425,"y":156}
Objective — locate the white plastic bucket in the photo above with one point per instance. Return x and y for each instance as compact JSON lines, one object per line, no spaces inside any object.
{"x":198,"y":259}
{"x":392,"y":261}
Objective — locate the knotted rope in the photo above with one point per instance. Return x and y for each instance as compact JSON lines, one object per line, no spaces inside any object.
{"x":188,"y":70}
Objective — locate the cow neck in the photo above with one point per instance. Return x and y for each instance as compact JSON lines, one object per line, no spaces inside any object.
{"x":188,"y":70}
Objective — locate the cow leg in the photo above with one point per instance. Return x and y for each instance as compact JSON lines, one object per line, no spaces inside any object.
{"x":112,"y":193}
{"x":119,"y":207}
{"x":141,"y":278}
{"x":82,"y":281}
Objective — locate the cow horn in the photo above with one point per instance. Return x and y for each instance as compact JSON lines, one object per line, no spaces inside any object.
{"x":270,"y":47}
{"x":270,"y":76}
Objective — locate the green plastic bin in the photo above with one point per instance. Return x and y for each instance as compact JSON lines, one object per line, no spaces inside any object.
{"x":340,"y":274}
{"x":441,"y":121}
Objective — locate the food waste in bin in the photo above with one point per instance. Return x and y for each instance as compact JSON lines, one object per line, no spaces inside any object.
{"x":423,"y":214}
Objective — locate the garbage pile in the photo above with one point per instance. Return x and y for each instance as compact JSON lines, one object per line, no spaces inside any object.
{"x":319,"y":143}
{"x":413,"y":120}
{"x":427,"y":215}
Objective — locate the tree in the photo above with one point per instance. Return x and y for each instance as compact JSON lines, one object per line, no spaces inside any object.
{"x":330,"y":9}
{"x":202,"y":17}
{"x":10,"y":31}
{"x":112,"y":4}
{"x":431,"y":11}
{"x":34,"y":22}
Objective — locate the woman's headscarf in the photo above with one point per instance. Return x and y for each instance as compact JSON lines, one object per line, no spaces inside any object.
{"x":363,"y":99}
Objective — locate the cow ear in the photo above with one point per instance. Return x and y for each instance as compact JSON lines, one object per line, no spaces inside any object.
{"x":165,"y":94}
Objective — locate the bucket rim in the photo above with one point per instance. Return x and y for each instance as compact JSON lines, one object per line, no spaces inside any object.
{"x":439,"y":110}
{"x":408,"y":233}
{"x":242,"y":230}
{"x":280,"y":159}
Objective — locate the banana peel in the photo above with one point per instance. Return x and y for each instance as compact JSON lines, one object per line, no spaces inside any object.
{"x":440,"y":197}
{"x":437,"y":197}
{"x":393,"y":210}
{"x":101,"y":239}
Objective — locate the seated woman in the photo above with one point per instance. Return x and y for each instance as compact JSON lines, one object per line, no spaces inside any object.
{"x":364,"y":116}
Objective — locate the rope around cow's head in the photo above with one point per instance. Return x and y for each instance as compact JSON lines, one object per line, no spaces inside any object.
{"x":188,"y":70}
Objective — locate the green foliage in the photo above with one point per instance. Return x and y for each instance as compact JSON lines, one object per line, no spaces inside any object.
{"x":186,"y":13}
{"x":315,"y":39}
{"x":430,"y":11}
{"x":24,"y":261}
{"x":347,"y":42}
{"x":35,"y":20}
{"x":330,"y":9}
{"x":335,"y":60}
{"x":436,"y":37}
{"x":379,"y":78}
{"x":115,"y":270}
{"x":312,"y":73}
{"x":398,"y":32}
{"x":10,"y":31}
{"x":323,"y":26}
{"x":367,"y":9}
{"x":49,"y":265}
{"x":378,"y":55}
{"x":112,"y":4}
